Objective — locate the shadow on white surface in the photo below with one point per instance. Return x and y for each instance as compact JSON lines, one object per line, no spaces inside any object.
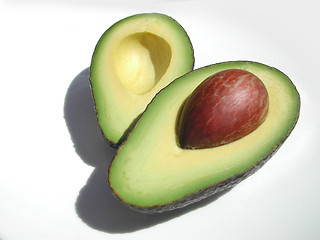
{"x":96,"y":205}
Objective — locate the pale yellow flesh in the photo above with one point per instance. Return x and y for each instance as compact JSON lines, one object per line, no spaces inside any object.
{"x":141,"y":60}
{"x":151,"y":169}
{"x":132,"y":62}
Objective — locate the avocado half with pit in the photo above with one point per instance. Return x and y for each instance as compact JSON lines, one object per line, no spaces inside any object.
{"x":151,"y":172}
{"x":133,"y":60}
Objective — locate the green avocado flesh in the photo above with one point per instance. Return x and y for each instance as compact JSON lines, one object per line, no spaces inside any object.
{"x":151,"y":172}
{"x":133,"y":60}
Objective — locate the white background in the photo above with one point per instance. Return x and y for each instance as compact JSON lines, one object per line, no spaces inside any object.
{"x":54,"y":160}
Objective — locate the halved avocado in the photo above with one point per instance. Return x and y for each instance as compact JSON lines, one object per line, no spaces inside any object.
{"x":151,"y":173}
{"x":133,"y":60}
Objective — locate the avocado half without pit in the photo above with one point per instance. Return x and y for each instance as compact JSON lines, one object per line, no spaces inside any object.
{"x":204,"y":133}
{"x":133,"y":60}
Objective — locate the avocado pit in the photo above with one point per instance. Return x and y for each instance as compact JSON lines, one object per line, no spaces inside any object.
{"x":222,"y":109}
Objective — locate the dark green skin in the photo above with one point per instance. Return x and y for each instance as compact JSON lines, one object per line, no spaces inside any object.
{"x":214,"y":189}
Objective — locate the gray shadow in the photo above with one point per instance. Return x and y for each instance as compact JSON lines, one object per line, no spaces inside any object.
{"x":95,"y":205}
{"x":80,"y":117}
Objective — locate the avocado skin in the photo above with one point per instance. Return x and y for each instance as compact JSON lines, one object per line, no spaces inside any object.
{"x":116,"y":145}
{"x":215,"y":188}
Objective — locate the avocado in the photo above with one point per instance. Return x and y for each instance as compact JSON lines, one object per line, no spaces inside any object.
{"x":132,"y":61}
{"x":151,"y":172}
